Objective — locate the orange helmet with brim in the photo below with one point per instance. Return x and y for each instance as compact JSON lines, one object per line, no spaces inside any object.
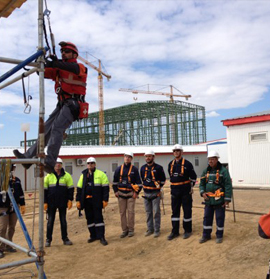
{"x":69,"y":45}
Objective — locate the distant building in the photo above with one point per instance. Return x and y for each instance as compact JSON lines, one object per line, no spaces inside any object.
{"x":148,"y":123}
{"x":108,"y":158}
{"x":249,"y":149}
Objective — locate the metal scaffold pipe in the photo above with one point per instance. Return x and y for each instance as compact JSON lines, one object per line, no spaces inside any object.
{"x":17,"y":61}
{"x":22,"y":64}
{"x":16,"y":246}
{"x":26,"y":74}
{"x":41,"y":144}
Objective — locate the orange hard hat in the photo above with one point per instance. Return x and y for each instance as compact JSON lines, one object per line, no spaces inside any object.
{"x":69,"y":45}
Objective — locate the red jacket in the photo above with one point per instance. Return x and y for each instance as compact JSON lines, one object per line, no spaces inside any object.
{"x":69,"y":75}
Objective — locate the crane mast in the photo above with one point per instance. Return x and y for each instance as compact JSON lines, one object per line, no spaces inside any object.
{"x":100,"y":96}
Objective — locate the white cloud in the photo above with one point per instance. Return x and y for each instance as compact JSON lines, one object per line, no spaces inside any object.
{"x":1,"y":126}
{"x":212,"y":114}
{"x":217,"y":51}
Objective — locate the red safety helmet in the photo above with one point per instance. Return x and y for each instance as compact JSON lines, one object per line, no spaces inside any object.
{"x":70,"y":46}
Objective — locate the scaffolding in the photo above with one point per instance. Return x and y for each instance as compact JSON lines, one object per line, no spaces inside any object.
{"x":37,"y":255}
{"x":146,"y":123}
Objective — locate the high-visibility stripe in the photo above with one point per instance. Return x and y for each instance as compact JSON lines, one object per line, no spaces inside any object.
{"x":180,"y":183}
{"x":124,"y":189}
{"x":52,"y":185}
{"x":207,"y":227}
{"x":149,"y":187}
{"x":175,"y":219}
{"x":21,"y":197}
{"x":187,"y":220}
{"x":220,"y":229}
{"x":91,"y":225}
{"x":100,"y":225}
{"x":97,"y":184}
{"x":105,"y":185}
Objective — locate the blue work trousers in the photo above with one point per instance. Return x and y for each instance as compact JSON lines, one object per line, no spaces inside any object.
{"x":209,"y":212}
{"x":183,"y":199}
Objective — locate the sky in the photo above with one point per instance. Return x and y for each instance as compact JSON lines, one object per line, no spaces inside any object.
{"x":216,"y":51}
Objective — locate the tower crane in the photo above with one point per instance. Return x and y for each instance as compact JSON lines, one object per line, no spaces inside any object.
{"x":100,"y":96}
{"x":170,"y":95}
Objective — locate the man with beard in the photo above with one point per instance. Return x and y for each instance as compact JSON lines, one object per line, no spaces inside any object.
{"x":70,"y":87}
{"x":153,"y":179}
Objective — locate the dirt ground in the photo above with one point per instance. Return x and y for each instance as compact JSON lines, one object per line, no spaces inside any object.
{"x":243,"y":254}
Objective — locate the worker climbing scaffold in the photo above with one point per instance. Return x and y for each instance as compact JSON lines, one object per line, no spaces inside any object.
{"x":70,"y":87}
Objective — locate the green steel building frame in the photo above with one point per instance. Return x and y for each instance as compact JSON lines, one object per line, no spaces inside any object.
{"x":149,"y":123}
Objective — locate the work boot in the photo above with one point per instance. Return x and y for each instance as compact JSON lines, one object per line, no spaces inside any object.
{"x":48,"y":243}
{"x":130,"y":234}
{"x":91,"y":239}
{"x":19,"y":155}
{"x":187,"y":235}
{"x":148,"y":233}
{"x":172,"y":236}
{"x":11,"y":249}
{"x":2,"y":255}
{"x":204,"y":239}
{"x":156,"y":234}
{"x":103,"y":241}
{"x":67,"y":242}
{"x":219,"y":240}
{"x":124,"y":234}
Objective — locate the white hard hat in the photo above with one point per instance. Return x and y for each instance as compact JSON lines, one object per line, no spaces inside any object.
{"x":212,"y":153}
{"x":129,"y":153}
{"x":149,"y":152}
{"x":59,"y":160}
{"x":177,"y":146}
{"x":91,"y":160}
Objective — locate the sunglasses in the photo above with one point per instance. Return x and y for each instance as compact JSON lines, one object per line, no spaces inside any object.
{"x":66,"y":50}
{"x":176,"y":150}
{"x":90,"y":163}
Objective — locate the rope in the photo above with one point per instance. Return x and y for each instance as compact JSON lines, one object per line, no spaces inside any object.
{"x":47,"y":12}
{"x":5,"y":174}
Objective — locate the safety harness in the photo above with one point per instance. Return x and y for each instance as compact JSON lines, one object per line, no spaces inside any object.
{"x":219,"y":192}
{"x":182,"y":167}
{"x":134,"y":186}
{"x":181,"y":174}
{"x":157,"y":183}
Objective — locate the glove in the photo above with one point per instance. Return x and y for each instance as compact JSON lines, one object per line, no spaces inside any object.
{"x":69,"y":205}
{"x":53,"y":57}
{"x":22,"y":209}
{"x":105,"y":203}
{"x":45,"y":206}
{"x":135,"y":187}
{"x":78,"y":204}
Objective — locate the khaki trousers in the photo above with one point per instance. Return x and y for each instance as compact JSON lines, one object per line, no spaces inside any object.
{"x":127,"y":213}
{"x":7,"y":226}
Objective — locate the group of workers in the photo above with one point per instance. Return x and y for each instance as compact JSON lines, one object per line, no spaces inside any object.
{"x":92,"y":196}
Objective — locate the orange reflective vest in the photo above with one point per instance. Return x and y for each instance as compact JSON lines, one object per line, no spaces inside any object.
{"x":68,"y":81}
